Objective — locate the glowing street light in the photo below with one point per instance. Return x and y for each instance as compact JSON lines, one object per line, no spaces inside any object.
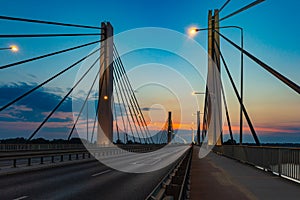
{"x":13,"y":48}
{"x":192,"y":31}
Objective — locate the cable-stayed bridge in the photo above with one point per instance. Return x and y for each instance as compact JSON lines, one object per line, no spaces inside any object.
{"x":118,"y":156}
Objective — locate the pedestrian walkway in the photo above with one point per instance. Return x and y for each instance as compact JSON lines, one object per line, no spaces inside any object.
{"x":218,"y":177}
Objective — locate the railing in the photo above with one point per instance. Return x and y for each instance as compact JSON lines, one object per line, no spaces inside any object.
{"x":279,"y":160}
{"x":34,"y":147}
{"x":27,"y":155}
{"x":174,"y":183}
{"x":37,"y":147}
{"x":41,"y":157}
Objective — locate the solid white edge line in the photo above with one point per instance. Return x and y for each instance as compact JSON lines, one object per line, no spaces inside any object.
{"x":20,"y":198}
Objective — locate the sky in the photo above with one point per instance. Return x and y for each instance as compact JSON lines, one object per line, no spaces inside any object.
{"x":270,"y":33}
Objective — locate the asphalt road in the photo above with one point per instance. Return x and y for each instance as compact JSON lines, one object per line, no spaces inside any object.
{"x":85,"y":180}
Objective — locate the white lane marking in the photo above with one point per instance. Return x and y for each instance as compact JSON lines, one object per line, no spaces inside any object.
{"x":100,"y":173}
{"x":149,"y":162}
{"x":20,"y":198}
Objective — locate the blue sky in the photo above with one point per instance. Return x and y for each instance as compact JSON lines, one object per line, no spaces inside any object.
{"x":271,"y":33}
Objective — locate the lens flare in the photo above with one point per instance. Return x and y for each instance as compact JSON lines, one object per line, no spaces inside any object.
{"x":14,"y":48}
{"x":192,"y":31}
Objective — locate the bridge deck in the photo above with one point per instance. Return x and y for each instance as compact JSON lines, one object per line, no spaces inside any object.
{"x":223,"y":178}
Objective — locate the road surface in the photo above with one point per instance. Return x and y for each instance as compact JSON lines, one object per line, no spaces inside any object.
{"x":84,"y":180}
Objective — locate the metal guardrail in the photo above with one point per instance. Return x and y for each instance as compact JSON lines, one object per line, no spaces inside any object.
{"x":43,"y":154}
{"x":280,"y":160}
{"x":31,"y":158}
{"x":185,"y":182}
{"x":22,"y":147}
{"x":35,"y":147}
{"x":174,"y":183}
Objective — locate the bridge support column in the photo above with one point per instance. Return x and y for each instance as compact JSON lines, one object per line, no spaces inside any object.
{"x":170,"y":128}
{"x":105,"y":116}
{"x":213,"y":109}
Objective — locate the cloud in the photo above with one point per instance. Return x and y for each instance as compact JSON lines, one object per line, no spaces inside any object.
{"x":26,"y":115}
{"x":148,"y":109}
{"x":39,"y":100}
{"x":32,"y":76}
{"x":25,"y":129}
{"x":266,"y":130}
{"x":60,"y":116}
{"x":15,"y":113}
{"x":30,"y":126}
{"x":55,"y":90}
{"x":22,"y":108}
{"x":23,"y":117}
{"x":6,"y":116}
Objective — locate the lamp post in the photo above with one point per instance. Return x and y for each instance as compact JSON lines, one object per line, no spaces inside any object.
{"x":198,"y":125}
{"x":193,"y":140}
{"x":193,"y":31}
{"x":198,"y":118}
{"x":13,"y":48}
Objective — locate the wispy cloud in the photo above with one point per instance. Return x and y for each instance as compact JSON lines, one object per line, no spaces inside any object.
{"x":148,"y":109}
{"x":60,"y":115}
{"x":26,"y":115}
{"x":265,"y":130}
{"x":32,"y":76}
{"x":40,"y":99}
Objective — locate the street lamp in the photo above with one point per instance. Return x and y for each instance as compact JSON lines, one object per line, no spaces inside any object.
{"x":13,"y":48}
{"x":193,"y":31}
{"x":198,"y":125}
{"x":193,"y":139}
{"x":198,"y":118}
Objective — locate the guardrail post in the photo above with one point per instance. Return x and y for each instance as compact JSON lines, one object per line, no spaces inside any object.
{"x":42,"y":160}
{"x":279,"y":163}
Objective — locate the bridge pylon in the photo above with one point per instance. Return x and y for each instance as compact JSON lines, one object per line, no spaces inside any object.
{"x":105,"y":115}
{"x":213,"y":105}
{"x":170,"y":128}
